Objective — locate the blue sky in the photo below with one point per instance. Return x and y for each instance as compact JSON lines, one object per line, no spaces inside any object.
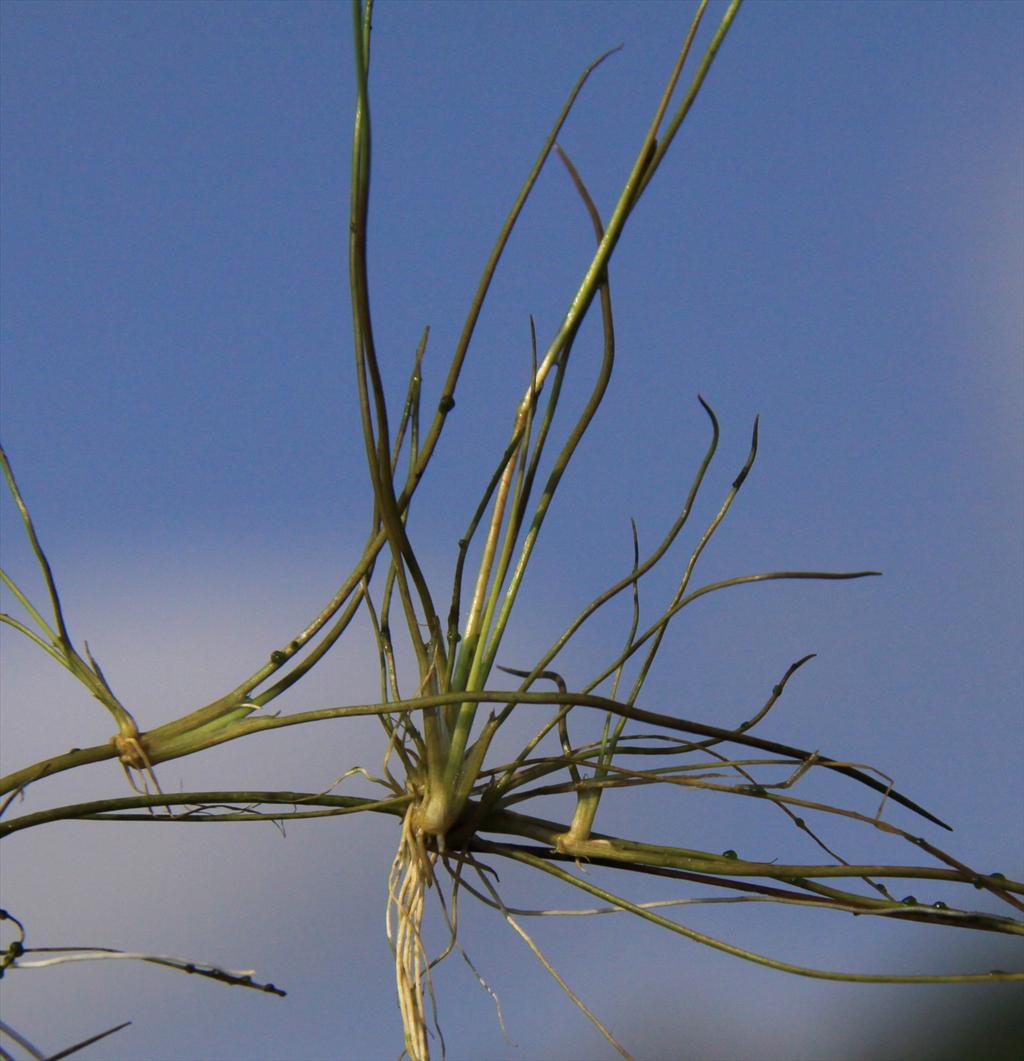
{"x":836,"y":242}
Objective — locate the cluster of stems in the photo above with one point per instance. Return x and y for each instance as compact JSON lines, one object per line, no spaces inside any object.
{"x":454,"y":802}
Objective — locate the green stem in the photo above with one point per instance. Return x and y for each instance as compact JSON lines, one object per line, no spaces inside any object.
{"x":759,"y":959}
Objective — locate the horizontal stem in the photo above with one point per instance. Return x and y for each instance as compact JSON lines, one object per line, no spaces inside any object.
{"x":159,"y":751}
{"x":109,"y":808}
{"x":532,"y":860}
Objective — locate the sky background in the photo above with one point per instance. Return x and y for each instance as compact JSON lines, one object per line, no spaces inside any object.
{"x":836,"y":242}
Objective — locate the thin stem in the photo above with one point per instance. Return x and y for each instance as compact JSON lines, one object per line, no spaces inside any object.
{"x":739,"y":952}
